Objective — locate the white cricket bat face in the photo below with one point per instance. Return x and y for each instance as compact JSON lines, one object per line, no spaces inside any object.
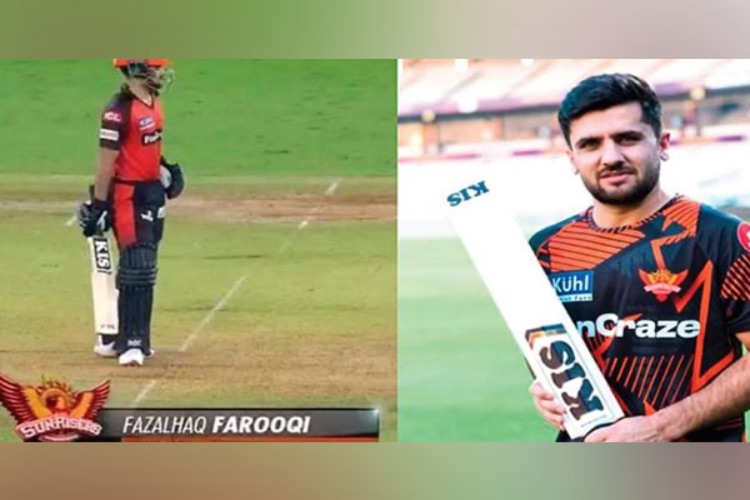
{"x":521,"y":291}
{"x":104,"y":290}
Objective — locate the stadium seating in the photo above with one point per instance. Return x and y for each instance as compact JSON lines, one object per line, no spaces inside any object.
{"x":508,"y":83}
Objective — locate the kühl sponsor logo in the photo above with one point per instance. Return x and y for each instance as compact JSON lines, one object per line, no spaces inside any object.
{"x":576,"y":286}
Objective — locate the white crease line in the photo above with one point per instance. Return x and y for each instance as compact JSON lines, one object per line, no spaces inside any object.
{"x":71,"y":221}
{"x":219,"y":306}
{"x":144,"y":392}
{"x":193,"y":336}
{"x":284,"y":246}
{"x":302,"y":225}
{"x":332,"y":188}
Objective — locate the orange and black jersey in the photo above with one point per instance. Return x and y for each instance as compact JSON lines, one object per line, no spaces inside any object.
{"x":659,"y":303}
{"x":135,"y":129}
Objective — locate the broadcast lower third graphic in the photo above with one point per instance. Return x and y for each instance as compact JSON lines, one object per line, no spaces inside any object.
{"x":55,"y":412}
{"x":237,"y":425}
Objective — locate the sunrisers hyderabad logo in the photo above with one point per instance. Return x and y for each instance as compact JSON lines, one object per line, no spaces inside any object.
{"x":662,"y":282}
{"x":743,"y":233}
{"x":53,"y":411}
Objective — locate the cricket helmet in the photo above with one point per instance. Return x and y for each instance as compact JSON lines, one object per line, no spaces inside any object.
{"x":156,"y":73}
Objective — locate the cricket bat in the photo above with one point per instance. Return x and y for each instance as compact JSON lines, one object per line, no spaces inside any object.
{"x":522,"y":292}
{"x":103,"y":286}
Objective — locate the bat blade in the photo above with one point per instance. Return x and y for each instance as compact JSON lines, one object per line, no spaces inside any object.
{"x":103,"y":287}
{"x":535,"y":316}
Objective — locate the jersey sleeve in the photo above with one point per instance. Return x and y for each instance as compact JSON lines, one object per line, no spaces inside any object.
{"x":539,"y":243}
{"x":113,"y":126}
{"x":734,"y":275}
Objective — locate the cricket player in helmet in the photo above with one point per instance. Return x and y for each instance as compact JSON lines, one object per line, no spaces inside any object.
{"x":129,"y":193}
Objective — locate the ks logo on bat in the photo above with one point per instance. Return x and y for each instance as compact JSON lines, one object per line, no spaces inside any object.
{"x":468,"y":193}
{"x":553,"y":348}
{"x":102,"y":254}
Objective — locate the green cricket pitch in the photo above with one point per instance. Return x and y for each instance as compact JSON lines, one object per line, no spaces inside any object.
{"x":462,"y":377}
{"x":290,"y":204}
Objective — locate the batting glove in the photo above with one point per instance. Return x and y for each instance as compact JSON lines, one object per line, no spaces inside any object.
{"x":93,"y":217}
{"x":174,"y":180}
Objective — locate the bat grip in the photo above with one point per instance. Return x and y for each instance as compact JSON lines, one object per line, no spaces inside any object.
{"x":601,"y":426}
{"x":92,"y":188}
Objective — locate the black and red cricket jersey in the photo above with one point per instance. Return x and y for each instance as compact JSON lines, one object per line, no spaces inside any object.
{"x":659,"y":303}
{"x":135,"y":129}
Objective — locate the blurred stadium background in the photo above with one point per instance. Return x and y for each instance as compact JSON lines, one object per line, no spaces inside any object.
{"x":461,"y":377}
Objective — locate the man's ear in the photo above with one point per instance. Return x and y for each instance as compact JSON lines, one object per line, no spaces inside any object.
{"x":664,"y":143}
{"x":573,"y":166}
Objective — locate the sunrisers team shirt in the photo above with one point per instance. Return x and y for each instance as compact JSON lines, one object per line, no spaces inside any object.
{"x":658,"y":303}
{"x":135,"y":129}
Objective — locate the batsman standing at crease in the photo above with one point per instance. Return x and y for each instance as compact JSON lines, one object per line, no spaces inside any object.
{"x":658,"y":285}
{"x":132,"y":183}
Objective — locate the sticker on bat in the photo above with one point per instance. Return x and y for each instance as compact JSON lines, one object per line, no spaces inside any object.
{"x":552,"y":347}
{"x":468,"y":193}
{"x":102,"y":255}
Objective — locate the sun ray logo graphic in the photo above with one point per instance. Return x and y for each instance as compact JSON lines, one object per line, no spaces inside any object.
{"x":53,"y":411}
{"x":662,"y":282}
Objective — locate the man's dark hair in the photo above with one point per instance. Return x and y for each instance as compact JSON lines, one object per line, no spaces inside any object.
{"x":601,"y":92}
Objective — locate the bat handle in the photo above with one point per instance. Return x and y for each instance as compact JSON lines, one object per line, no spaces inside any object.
{"x":601,"y":426}
{"x":92,"y":188}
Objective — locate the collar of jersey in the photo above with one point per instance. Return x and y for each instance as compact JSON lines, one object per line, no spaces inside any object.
{"x":130,"y":95}
{"x":588,"y":216}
